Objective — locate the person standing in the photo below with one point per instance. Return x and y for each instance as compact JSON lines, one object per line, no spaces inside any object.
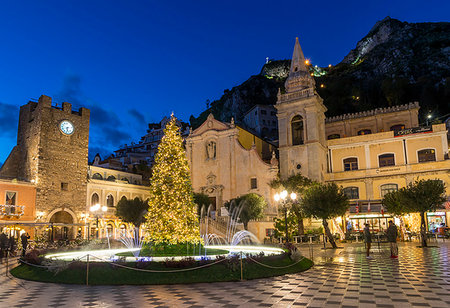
{"x":391,"y":235}
{"x":368,"y":240}
{"x":24,"y":238}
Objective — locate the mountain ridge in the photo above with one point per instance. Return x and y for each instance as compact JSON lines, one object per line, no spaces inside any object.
{"x":395,"y":63}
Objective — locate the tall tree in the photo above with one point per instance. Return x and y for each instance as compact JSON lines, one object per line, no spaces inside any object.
{"x":132,"y":211}
{"x":325,"y":201}
{"x":298,"y":184}
{"x":420,"y":196}
{"x":172,"y":215}
{"x":253,"y":206}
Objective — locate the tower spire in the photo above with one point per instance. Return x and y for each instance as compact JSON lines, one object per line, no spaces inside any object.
{"x":298,"y":59}
{"x":299,"y":76}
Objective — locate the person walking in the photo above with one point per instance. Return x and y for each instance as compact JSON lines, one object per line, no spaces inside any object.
{"x":368,"y":240}
{"x":391,"y":235}
{"x":24,"y":238}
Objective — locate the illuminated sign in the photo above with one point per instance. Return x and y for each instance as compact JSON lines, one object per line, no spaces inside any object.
{"x":415,"y":130}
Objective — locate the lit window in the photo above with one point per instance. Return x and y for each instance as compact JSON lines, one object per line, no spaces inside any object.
{"x":352,"y":192}
{"x":364,"y":132}
{"x":350,"y":164}
{"x":426,"y":155}
{"x":386,"y":160}
{"x":387,"y":188}
{"x":297,"y":130}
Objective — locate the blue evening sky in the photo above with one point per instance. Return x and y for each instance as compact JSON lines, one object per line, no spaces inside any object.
{"x":132,"y":62}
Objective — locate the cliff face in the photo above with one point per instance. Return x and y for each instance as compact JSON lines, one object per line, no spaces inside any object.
{"x":395,"y":63}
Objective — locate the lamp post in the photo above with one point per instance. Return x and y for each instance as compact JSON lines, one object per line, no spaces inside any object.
{"x":95,"y":209}
{"x":283,"y":198}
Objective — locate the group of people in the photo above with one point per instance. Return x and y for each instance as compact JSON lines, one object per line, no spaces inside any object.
{"x":8,"y":245}
{"x":391,"y":234}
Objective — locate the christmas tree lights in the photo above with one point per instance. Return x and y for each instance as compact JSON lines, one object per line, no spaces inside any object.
{"x":172,"y":214}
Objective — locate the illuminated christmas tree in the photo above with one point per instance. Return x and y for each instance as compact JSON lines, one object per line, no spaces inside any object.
{"x":172,"y":214}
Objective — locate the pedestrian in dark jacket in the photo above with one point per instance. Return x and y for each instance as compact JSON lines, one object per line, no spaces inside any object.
{"x":368,"y":240}
{"x":12,"y":245}
{"x":24,"y":238}
{"x":391,"y":235}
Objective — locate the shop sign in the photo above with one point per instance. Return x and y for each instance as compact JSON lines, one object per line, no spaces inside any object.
{"x":415,"y":130}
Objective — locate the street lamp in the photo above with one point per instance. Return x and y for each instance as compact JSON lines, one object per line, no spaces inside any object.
{"x":95,"y":209}
{"x":282,"y":196}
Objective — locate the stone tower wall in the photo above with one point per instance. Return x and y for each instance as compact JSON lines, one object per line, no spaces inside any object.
{"x":50,"y":158}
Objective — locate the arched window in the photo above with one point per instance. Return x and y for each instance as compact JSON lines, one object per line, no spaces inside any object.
{"x":386,"y":160}
{"x":111,"y":178}
{"x":95,"y":199}
{"x":397,"y":127}
{"x":387,"y":188}
{"x":297,"y":130}
{"x":364,"y":132}
{"x":126,"y":180}
{"x":352,"y":192}
{"x":110,"y":201}
{"x":426,"y":155}
{"x":97,"y":176}
{"x":350,"y":164}
{"x":334,"y":136}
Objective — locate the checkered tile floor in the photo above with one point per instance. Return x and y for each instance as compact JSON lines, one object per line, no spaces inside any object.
{"x":342,"y":278}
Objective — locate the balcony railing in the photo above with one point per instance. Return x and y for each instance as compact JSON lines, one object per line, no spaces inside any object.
{"x":11,"y":211}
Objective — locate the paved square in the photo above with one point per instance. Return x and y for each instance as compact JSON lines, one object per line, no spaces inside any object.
{"x":341,"y":278}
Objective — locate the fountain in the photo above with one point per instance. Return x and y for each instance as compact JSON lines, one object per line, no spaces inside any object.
{"x":133,"y":241}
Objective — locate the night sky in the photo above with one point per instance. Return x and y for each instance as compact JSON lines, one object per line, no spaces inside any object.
{"x":132,"y":62}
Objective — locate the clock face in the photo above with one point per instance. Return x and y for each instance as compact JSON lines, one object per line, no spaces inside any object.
{"x":66,"y":127}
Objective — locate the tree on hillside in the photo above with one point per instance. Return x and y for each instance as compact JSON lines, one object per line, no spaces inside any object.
{"x":418,"y":197}
{"x":325,"y":201}
{"x":298,"y":184}
{"x":253,"y":206}
{"x":132,"y":211}
{"x":172,"y":215}
{"x":202,"y":200}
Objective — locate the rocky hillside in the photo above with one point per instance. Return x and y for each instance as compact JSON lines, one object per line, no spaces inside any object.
{"x":395,"y":63}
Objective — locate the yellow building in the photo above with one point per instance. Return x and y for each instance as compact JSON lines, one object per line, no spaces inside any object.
{"x":369,"y":153}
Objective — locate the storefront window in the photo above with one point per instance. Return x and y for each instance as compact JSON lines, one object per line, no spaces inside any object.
{"x":435,"y":220}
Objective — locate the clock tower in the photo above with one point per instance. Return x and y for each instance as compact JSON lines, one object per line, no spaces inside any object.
{"x":301,"y":123}
{"x":52,"y":153}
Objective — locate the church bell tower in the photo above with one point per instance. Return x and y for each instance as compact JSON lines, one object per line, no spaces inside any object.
{"x":301,"y":123}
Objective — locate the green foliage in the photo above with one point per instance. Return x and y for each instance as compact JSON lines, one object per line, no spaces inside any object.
{"x":280,"y":225}
{"x":325,"y":201}
{"x":253,"y":206}
{"x":132,"y":211}
{"x":202,"y":200}
{"x":423,"y":196}
{"x":393,"y":203}
{"x":296,"y":183}
{"x":105,"y":274}
{"x":172,"y":215}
